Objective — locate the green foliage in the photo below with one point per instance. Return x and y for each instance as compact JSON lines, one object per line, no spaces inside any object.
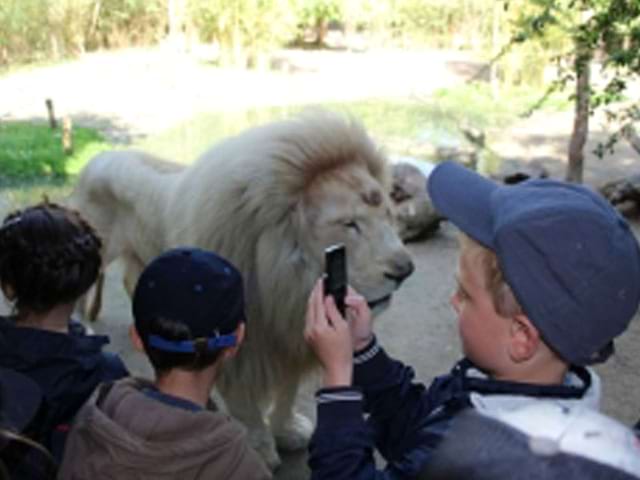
{"x":32,"y":30}
{"x":120,"y":23}
{"x":29,"y":150}
{"x":314,"y":11}
{"x":244,"y":29}
{"x":442,"y":23}
{"x":23,"y":30}
{"x":605,"y":30}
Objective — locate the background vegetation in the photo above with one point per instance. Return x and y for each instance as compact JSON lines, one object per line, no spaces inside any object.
{"x":245,"y":31}
{"x":529,"y":45}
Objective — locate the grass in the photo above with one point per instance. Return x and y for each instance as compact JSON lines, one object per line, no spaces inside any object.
{"x":34,"y":151}
{"x":33,"y":163}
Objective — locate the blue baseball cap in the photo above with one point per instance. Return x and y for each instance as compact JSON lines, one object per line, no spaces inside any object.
{"x":572,"y":261}
{"x":195,"y":287}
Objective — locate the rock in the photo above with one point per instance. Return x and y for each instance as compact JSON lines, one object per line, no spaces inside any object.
{"x":417,"y":219}
{"x":624,"y":194}
{"x":520,"y":173}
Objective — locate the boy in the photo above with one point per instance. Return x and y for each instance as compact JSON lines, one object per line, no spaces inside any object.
{"x":49,"y":258}
{"x":548,"y":275}
{"x":188,"y":308}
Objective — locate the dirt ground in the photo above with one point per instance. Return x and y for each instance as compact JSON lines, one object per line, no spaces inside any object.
{"x":120,"y":93}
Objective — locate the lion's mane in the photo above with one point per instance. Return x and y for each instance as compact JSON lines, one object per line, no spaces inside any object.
{"x":242,"y":199}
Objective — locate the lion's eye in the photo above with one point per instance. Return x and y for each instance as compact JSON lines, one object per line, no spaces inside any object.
{"x":352,"y":224}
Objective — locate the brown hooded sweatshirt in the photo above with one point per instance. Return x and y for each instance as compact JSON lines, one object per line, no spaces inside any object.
{"x":122,"y":433}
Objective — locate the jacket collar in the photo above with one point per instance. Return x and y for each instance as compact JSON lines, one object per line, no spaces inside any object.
{"x":581,"y":385}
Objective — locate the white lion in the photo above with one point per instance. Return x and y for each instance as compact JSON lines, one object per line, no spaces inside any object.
{"x":270,"y":200}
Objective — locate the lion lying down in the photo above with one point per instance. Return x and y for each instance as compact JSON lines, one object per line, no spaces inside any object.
{"x":270,"y":200}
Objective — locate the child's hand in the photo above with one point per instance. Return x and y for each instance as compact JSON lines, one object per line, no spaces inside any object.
{"x":359,"y":316}
{"x":329,"y":336}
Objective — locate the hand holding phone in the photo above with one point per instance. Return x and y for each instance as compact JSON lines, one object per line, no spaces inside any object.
{"x":335,"y":280}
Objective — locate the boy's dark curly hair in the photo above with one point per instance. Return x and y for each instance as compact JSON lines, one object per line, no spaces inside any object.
{"x":163,"y":361}
{"x":49,"y":255}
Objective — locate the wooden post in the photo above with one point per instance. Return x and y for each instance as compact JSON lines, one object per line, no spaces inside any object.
{"x":67,"y":135}
{"x":52,"y":117}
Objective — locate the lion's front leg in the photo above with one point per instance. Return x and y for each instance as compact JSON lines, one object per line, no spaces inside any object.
{"x":249,"y":411}
{"x":292,"y":430}
{"x":133,"y":268}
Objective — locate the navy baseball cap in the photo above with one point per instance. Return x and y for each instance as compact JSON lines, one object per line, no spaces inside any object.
{"x":194,"y":287}
{"x":572,"y":261}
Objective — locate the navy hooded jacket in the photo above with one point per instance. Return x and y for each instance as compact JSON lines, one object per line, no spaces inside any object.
{"x":386,"y":411}
{"x":67,"y":367}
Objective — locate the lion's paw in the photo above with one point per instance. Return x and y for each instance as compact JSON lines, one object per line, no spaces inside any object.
{"x":262,"y":442}
{"x":294,"y":433}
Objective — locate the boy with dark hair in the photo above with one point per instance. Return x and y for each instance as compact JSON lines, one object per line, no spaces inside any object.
{"x":548,"y":276}
{"x":49,"y":258}
{"x":188,"y":308}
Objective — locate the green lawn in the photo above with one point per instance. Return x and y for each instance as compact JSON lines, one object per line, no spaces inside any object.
{"x":31,"y":151}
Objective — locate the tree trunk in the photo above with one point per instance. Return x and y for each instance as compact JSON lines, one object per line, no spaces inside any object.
{"x":322,"y":27}
{"x":580,"y":132}
{"x":495,"y":49}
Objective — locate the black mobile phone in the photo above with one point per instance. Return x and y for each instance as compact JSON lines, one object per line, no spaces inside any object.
{"x":335,"y":280}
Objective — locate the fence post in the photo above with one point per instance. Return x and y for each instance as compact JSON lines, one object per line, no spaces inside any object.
{"x":67,"y":135}
{"x":52,"y":117}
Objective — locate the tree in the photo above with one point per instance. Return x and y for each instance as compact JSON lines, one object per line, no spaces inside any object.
{"x":606,"y":30}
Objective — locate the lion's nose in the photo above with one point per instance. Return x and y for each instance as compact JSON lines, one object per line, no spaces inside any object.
{"x":399,"y":269}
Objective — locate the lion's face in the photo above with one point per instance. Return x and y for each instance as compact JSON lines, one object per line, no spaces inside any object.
{"x":349,"y":206}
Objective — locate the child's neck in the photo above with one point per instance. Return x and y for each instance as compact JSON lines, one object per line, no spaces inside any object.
{"x":550,"y":374}
{"x":193,"y":386}
{"x":54,"y":320}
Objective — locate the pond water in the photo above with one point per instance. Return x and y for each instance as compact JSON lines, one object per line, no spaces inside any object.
{"x":424,"y":129}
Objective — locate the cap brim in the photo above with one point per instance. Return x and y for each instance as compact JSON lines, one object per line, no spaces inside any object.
{"x":464,"y":198}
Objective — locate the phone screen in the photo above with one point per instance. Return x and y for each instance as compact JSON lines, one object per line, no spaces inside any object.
{"x":335,"y":281}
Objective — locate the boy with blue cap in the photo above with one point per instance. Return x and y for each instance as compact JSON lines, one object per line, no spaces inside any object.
{"x":548,"y":275}
{"x":188,"y":307}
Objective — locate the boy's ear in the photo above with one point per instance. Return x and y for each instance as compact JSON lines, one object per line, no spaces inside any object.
{"x":525,"y":338}
{"x":135,"y":339}
{"x":239,"y":333}
{"x":8,"y":291}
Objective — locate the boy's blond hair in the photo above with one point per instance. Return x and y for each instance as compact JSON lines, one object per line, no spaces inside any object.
{"x":504,"y":301}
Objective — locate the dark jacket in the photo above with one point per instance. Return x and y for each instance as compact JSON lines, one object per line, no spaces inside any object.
{"x":407,"y":421}
{"x":130,"y":431}
{"x":67,"y":367}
